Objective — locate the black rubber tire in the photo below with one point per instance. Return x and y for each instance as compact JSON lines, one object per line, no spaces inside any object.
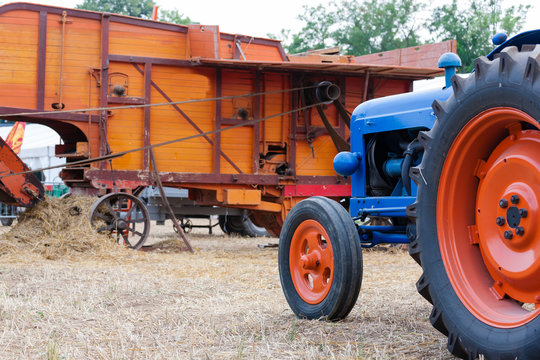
{"x":240,"y":225}
{"x":507,"y":81}
{"x":347,"y":277}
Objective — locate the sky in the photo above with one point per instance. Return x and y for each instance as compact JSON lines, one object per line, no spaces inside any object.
{"x":257,"y":18}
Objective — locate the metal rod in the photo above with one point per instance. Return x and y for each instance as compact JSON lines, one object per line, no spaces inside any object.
{"x":165,"y":201}
{"x":122,"y":153}
{"x":382,"y":228}
{"x":61,"y":75}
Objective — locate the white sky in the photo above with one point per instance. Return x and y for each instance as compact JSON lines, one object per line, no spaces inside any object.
{"x":252,"y":17}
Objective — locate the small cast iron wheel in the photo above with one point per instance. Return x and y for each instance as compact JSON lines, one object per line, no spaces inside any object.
{"x":122,"y":215}
{"x":187,"y":226}
{"x":478,"y":240}
{"x":320,"y":260}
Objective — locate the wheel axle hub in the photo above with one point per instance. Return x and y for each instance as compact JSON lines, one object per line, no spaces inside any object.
{"x":512,"y":172}
{"x":310,"y":261}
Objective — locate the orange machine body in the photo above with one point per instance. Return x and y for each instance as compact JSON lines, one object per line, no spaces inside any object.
{"x":64,"y":59}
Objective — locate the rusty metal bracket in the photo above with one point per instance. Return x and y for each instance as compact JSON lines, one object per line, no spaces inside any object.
{"x":177,"y":226}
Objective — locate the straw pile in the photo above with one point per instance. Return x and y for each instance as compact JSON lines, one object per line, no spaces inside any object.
{"x":57,"y":228}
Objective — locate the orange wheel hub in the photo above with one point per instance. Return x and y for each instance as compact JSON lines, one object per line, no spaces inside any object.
{"x":487,"y":207}
{"x":507,"y":222}
{"x":311,"y":262}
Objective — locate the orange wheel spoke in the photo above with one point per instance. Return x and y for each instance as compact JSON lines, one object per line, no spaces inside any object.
{"x":313,"y":241}
{"x":318,"y":285}
{"x":327,"y":258}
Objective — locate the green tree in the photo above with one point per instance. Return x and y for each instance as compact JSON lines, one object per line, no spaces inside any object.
{"x":373,"y":25}
{"x":174,"y":16}
{"x":357,"y":27}
{"x":137,"y":8}
{"x":316,"y":33}
{"x":474,"y":25}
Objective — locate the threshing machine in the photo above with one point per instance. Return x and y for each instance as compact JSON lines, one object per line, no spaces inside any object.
{"x":231,"y":118}
{"x":454,"y":173}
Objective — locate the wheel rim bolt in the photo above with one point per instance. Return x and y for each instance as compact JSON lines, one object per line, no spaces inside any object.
{"x":514,"y":199}
{"x":503,"y":203}
{"x":520,"y":230}
{"x":523,"y":213}
{"x":500,"y":221}
{"x":508,"y":235}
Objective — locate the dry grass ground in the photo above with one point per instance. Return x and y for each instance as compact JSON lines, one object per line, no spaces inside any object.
{"x":222,"y":302}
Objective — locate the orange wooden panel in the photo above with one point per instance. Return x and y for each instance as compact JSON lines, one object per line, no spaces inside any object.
{"x":226,"y":49}
{"x":134,"y":78}
{"x":416,"y":56}
{"x":135,"y":40}
{"x":354,"y":93}
{"x":81,"y":53}
{"x":426,"y":55}
{"x":242,"y":197}
{"x":321,"y":164}
{"x":18,"y":95}
{"x":237,"y":83}
{"x":18,"y":73}
{"x":392,"y":87}
{"x":237,"y":144}
{"x":203,"y":41}
{"x":261,"y":52}
{"x":276,"y":129}
{"x":20,"y":16}
{"x":125,"y":132}
{"x":167,"y":123}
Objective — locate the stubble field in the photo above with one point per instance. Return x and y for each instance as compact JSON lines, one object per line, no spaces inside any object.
{"x":222,"y":302}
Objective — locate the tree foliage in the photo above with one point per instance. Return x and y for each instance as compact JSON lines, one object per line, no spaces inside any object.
{"x":174,"y":16}
{"x":368,"y":26}
{"x":357,"y":27}
{"x":474,"y":26}
{"x":137,"y":8}
{"x":316,"y":33}
{"x":374,"y":26}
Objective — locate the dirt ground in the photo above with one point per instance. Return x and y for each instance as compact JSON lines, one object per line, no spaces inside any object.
{"x":222,"y":302}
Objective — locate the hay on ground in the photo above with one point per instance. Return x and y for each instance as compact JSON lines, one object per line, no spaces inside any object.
{"x":57,"y":228}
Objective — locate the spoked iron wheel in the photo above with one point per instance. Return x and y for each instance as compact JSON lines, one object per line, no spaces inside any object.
{"x":320,"y":260}
{"x":478,"y":237}
{"x":122,"y":215}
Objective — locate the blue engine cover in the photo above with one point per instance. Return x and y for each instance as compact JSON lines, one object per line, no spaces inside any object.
{"x":398,"y":112}
{"x":412,"y":112}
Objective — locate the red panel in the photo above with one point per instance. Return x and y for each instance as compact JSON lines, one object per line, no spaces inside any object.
{"x":317,"y":190}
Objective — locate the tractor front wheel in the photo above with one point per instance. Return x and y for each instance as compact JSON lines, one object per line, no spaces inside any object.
{"x":320,"y":260}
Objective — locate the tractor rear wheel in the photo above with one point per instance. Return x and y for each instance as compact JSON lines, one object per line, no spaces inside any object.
{"x":320,"y":260}
{"x":478,"y":235}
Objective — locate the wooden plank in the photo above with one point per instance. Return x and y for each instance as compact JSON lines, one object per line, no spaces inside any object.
{"x":426,"y":56}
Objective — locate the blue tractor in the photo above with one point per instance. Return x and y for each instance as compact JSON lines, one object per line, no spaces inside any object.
{"x":455,"y":174}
